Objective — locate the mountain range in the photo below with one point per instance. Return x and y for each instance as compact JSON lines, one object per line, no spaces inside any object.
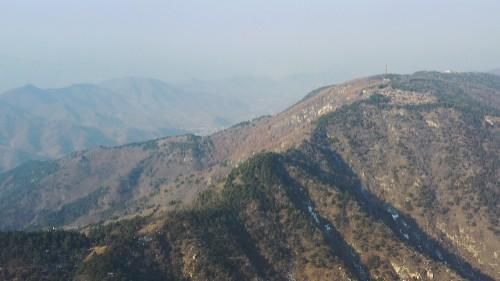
{"x":389,"y":177}
{"x":40,"y":123}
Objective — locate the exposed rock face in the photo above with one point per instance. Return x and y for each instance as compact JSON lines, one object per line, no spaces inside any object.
{"x":386,"y":178}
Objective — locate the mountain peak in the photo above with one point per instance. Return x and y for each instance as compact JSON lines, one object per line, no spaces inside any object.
{"x":26,"y":93}
{"x":30,"y":86}
{"x":26,"y":88}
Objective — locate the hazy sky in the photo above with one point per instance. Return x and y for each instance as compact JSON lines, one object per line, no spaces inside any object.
{"x":56,"y":42}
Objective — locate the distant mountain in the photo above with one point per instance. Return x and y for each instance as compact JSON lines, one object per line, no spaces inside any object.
{"x":48,"y":123}
{"x":496,"y":71}
{"x":391,"y":177}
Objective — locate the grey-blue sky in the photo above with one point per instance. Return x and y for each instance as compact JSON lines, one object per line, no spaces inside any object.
{"x":56,"y":42}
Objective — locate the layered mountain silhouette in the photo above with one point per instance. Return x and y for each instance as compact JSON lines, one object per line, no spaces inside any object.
{"x":390,"y":177}
{"x":40,"y":123}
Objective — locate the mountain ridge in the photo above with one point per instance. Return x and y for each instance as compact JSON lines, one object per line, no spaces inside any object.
{"x":120,"y":110}
{"x":383,"y":178}
{"x":132,"y":109}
